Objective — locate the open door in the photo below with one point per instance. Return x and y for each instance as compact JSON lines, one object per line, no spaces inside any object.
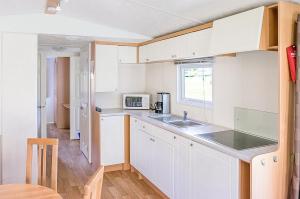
{"x":74,"y":97}
{"x":85,"y":105}
{"x":42,"y":96}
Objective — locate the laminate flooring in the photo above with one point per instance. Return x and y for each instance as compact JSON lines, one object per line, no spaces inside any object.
{"x":74,"y":171}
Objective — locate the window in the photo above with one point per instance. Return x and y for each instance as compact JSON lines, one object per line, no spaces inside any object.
{"x":195,"y":83}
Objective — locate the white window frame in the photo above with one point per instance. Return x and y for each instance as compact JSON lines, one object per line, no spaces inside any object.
{"x":180,"y":86}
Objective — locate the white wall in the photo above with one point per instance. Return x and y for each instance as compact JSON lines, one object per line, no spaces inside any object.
{"x":19,"y":102}
{"x":132,"y":79}
{"x":241,"y":81}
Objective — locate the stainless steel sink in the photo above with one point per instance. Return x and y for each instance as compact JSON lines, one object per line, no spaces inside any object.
{"x":184,"y":123}
{"x":176,"y":121}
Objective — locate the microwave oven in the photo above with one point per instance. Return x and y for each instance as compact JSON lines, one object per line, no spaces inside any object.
{"x":136,"y":101}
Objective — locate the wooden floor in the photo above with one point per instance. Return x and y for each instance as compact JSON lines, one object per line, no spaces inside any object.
{"x":74,"y":171}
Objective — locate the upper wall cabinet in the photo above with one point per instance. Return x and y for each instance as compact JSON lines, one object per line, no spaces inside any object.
{"x":188,"y":46}
{"x":241,"y":32}
{"x":106,"y":68}
{"x":127,"y":54}
{"x":237,"y":33}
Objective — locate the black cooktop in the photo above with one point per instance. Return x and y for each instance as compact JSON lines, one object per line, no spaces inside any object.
{"x":237,"y":140}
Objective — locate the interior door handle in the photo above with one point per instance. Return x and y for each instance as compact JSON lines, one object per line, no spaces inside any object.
{"x":41,"y":106}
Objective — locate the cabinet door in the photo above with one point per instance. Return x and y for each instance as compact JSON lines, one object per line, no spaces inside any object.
{"x":145,"y":154}
{"x":112,"y":140}
{"x":106,"y":69}
{"x":181,"y":168}
{"x":237,"y":33}
{"x":133,"y":141}
{"x":198,"y":44}
{"x":214,"y":175}
{"x":127,"y":54}
{"x":164,"y":166}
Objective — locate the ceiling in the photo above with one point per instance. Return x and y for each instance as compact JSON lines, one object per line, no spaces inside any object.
{"x":147,"y":17}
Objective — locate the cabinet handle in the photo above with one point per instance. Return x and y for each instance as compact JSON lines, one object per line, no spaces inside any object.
{"x":191,"y":144}
{"x":151,"y":139}
{"x":174,"y":137}
{"x":144,"y":127}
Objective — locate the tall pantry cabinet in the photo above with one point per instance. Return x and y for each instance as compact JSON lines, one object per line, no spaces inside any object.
{"x":18,"y":91}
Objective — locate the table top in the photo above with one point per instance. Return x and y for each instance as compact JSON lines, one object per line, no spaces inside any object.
{"x":27,"y":191}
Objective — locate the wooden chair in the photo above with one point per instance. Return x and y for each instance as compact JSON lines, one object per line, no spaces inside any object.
{"x":93,"y":189}
{"x":42,"y":144}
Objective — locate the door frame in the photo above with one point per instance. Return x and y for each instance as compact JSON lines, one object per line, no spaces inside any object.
{"x":44,"y":54}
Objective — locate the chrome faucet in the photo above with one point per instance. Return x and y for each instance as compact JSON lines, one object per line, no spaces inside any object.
{"x":185,"y":115}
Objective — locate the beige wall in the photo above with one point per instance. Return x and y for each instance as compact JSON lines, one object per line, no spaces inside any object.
{"x":237,"y":81}
{"x":132,"y":79}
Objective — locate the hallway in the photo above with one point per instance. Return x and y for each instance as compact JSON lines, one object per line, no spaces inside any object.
{"x":74,"y":171}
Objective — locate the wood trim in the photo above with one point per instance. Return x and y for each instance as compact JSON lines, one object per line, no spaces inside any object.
{"x":287,"y":16}
{"x":269,"y":33}
{"x":148,"y":182}
{"x":99,"y":42}
{"x":179,"y":33}
{"x":126,"y":165}
{"x":95,"y":116}
{"x":115,"y":167}
{"x":227,"y":55}
{"x":244,"y":180}
{"x":51,"y":3}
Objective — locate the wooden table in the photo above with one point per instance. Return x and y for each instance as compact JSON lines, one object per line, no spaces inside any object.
{"x":27,"y":191}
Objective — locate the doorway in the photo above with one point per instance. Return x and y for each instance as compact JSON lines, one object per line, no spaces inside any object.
{"x":64,"y":93}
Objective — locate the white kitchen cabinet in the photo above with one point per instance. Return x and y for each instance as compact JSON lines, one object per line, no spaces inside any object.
{"x":182,"y":167}
{"x":19,"y":102}
{"x":127,"y":54}
{"x":133,"y":141}
{"x":145,"y":154}
{"x":106,"y":68}
{"x":188,"y":46}
{"x":214,"y":175}
{"x":164,"y":165}
{"x":198,"y":44}
{"x":237,"y":33}
{"x":112,"y":140}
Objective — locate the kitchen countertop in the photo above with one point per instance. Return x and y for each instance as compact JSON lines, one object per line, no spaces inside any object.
{"x":246,"y":155}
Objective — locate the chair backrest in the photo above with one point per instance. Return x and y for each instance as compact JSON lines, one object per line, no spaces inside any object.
{"x":42,"y":144}
{"x":93,"y":189}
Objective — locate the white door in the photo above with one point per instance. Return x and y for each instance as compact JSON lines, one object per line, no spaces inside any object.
{"x":112,"y":140}
{"x":133,"y":141}
{"x":164,"y":166}
{"x":145,"y":154}
{"x":214,"y":175}
{"x":181,"y":167}
{"x":74,"y":97}
{"x":85,"y":106}
{"x":42,"y":95}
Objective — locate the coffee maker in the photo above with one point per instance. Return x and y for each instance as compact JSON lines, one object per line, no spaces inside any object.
{"x":162,"y":105}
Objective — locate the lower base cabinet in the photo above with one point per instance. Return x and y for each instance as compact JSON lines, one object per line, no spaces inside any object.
{"x":181,"y":168}
{"x":213,"y":175}
{"x":112,"y":140}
